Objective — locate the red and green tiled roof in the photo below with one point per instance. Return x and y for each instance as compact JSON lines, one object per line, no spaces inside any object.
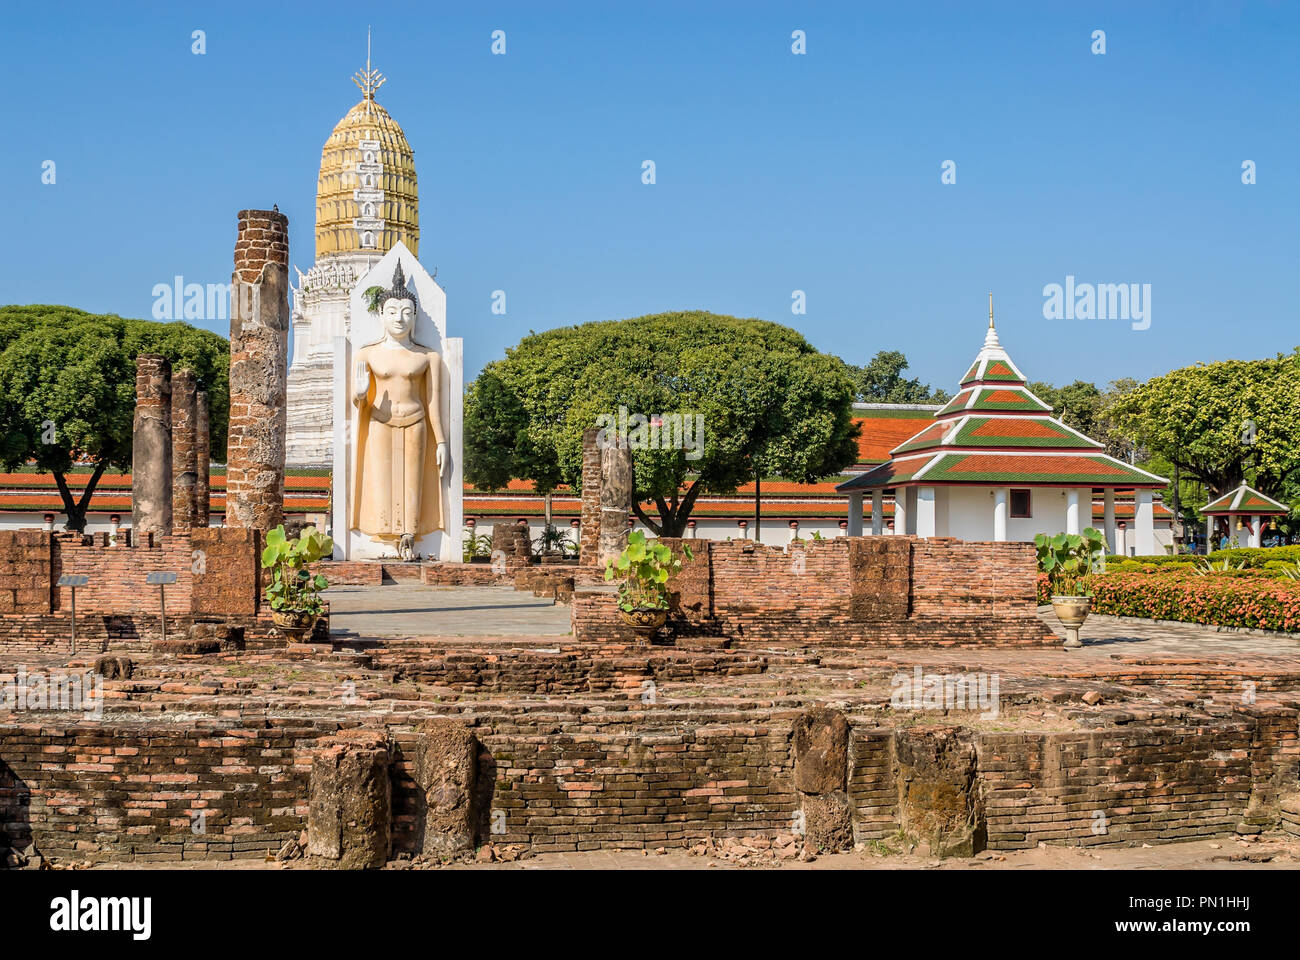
{"x":887,"y":474}
{"x":1008,"y":468}
{"x":1245,"y":500}
{"x":1011,"y":399}
{"x":1000,"y":432}
{"x":995,"y":431}
{"x":885,"y":426}
{"x":992,"y":370}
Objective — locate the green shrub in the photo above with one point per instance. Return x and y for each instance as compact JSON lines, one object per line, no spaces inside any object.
{"x":1236,"y":599}
{"x":1160,"y":560}
{"x":1258,"y":556}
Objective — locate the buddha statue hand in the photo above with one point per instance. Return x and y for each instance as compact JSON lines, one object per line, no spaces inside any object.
{"x":361,"y":382}
{"x":442,"y":457}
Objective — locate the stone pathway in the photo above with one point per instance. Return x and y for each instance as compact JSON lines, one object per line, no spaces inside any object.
{"x":1117,"y":635}
{"x":415,"y":610}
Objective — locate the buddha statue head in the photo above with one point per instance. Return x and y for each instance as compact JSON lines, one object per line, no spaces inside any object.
{"x":398,"y":307}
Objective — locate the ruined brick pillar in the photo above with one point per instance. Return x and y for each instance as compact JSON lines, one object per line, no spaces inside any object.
{"x":185,"y":388}
{"x":350,"y":813}
{"x":589,"y":534}
{"x":938,"y":793}
{"x":202,"y":460}
{"x":607,"y":483}
{"x":151,"y":449}
{"x":446,"y":766}
{"x":821,"y":768}
{"x":259,"y":352}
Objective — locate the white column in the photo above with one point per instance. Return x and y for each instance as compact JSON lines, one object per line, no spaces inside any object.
{"x":877,"y":512}
{"x":1144,"y":521}
{"x":925,"y":512}
{"x":1109,"y":519}
{"x":1209,"y":535}
{"x":341,"y":498}
{"x":1121,"y":541}
{"x":453,"y":486}
{"x":900,"y":511}
{"x":1072,"y":511}
{"x":1257,"y":534}
{"x":855,"y":514}
{"x":1000,"y":514}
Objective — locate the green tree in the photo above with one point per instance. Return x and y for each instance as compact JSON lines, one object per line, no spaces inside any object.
{"x":1220,"y":423}
{"x":881,"y":381}
{"x":767,"y":401}
{"x":67,"y":389}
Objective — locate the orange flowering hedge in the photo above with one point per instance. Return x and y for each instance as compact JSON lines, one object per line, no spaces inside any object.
{"x":1258,"y":603}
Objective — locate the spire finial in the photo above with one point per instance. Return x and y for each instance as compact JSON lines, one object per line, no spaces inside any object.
{"x":990,"y":310}
{"x":368,"y":80}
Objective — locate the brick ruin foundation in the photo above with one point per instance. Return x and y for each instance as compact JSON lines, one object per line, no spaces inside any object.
{"x":771,"y":711}
{"x":824,"y":695}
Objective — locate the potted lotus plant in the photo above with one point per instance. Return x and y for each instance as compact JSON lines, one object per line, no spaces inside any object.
{"x":294,"y":593}
{"x":1070,"y":560}
{"x":644,"y":568}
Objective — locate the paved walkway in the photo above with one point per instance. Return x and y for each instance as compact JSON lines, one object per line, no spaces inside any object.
{"x":1117,"y":635}
{"x":416,"y":610}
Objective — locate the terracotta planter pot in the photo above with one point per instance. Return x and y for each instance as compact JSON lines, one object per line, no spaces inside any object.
{"x":294,"y":624}
{"x":1072,"y":612}
{"x":644,"y":621}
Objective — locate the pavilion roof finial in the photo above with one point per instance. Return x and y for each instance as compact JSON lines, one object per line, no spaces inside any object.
{"x":990,"y":309}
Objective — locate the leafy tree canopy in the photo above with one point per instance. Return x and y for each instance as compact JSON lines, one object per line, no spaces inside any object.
{"x":1221,"y":423}
{"x":67,"y":389}
{"x":767,"y":401}
{"x":881,"y":381}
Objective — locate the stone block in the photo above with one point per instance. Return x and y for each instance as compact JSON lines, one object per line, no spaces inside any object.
{"x":349,"y":819}
{"x":446,"y":761}
{"x":821,"y":750}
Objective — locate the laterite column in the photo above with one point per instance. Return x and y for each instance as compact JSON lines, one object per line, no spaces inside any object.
{"x":151,"y":449}
{"x":259,"y":353}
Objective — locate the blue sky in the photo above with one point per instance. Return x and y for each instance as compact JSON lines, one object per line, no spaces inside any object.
{"x":775,"y":172}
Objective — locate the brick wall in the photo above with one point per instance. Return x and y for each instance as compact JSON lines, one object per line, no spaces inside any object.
{"x":217,"y":575}
{"x":893,"y":590}
{"x":593,"y":781}
{"x":1148,"y":784}
{"x":206,"y":792}
{"x":26,"y":559}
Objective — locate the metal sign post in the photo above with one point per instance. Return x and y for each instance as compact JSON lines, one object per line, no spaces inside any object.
{"x":72,"y":581}
{"x":161,"y":578}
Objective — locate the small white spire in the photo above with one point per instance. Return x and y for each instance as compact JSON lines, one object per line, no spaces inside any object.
{"x":991,"y":338}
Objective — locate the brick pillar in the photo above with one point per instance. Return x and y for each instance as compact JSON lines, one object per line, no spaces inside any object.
{"x":151,"y":449}
{"x":259,"y":346}
{"x":607,"y":483}
{"x":821,"y":764}
{"x":589,"y":535}
{"x":616,"y":483}
{"x":185,"y":388}
{"x":202,"y":460}
{"x":446,"y":766}
{"x":350,"y":811}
